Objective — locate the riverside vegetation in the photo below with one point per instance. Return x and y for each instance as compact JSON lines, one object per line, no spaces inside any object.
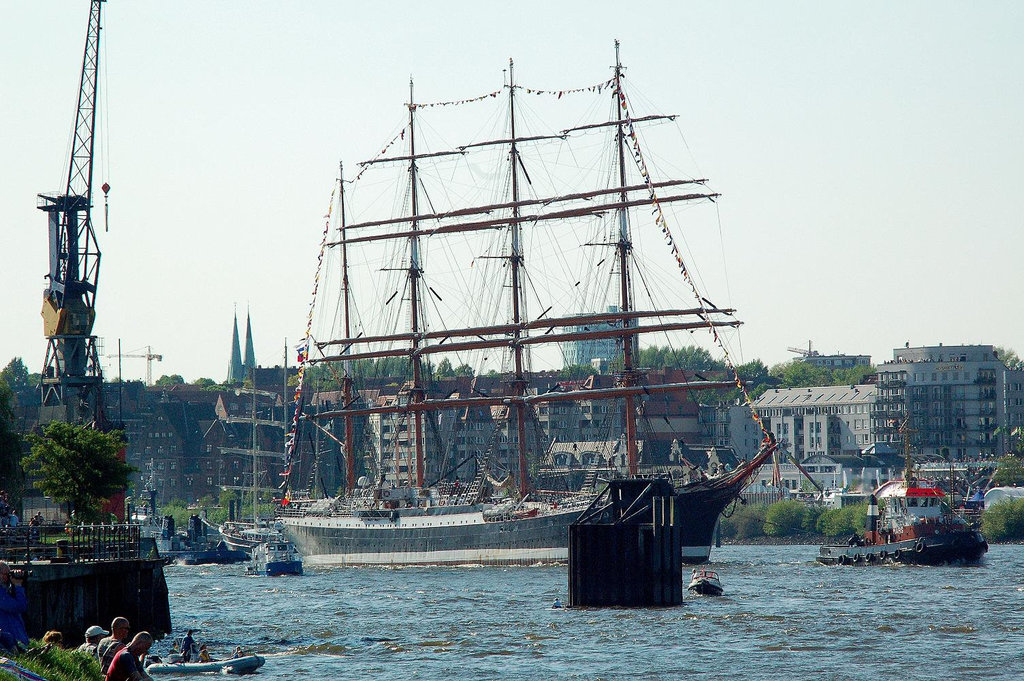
{"x":784,"y":520}
{"x":58,"y":664}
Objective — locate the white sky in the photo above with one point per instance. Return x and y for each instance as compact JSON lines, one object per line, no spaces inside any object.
{"x":869,"y":154}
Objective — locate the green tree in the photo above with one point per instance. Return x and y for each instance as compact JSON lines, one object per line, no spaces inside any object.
{"x":1004,"y":521}
{"x":800,"y":374}
{"x":784,"y":518}
{"x":1009,"y":358}
{"x":205,"y":383}
{"x":10,"y":443}
{"x":1009,"y":471}
{"x":464,"y":370}
{"x":174,"y":379}
{"x":16,"y":375}
{"x":444,"y":369}
{"x":78,"y":466}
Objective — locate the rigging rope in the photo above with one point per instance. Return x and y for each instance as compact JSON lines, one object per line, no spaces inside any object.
{"x":303,"y":348}
{"x":683,"y":270}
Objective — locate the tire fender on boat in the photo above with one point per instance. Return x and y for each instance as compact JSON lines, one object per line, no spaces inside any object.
{"x":872,"y":557}
{"x":883,"y":554}
{"x":843,"y":560}
{"x":919,"y":546}
{"x":897,"y":554}
{"x":859,"y":558}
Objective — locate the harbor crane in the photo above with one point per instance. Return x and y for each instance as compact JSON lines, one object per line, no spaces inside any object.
{"x":149,"y":356}
{"x":72,"y":380}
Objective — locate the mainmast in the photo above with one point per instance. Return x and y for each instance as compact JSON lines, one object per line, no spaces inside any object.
{"x":414,"y":277}
{"x":624,"y":247}
{"x":346,"y":382}
{"x":519,"y":382}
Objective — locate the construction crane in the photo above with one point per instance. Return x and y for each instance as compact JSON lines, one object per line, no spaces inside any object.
{"x":809,"y":352}
{"x":148,"y":356}
{"x":72,"y":380}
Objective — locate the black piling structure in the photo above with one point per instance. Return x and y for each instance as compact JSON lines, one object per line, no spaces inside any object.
{"x":626,"y":549}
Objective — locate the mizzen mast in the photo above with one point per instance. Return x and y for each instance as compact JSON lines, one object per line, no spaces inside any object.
{"x":416,"y":393}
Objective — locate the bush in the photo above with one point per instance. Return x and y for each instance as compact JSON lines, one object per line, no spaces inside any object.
{"x":784,"y":518}
{"x":839,"y":522}
{"x":746,"y":522}
{"x":1004,"y":521}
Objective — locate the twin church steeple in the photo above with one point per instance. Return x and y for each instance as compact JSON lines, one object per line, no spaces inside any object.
{"x":238,"y":369}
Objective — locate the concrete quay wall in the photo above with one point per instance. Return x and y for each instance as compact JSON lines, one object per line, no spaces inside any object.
{"x":69,"y":597}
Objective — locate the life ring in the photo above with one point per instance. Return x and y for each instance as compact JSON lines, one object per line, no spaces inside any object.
{"x":919,"y":546}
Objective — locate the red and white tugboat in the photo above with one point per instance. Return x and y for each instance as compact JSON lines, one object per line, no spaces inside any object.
{"x":907,"y":522}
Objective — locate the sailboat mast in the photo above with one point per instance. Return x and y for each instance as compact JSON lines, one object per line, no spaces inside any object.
{"x":516,"y":261}
{"x":625,"y":297}
{"x":346,"y":382}
{"x":255,"y":456}
{"x":414,"y":303}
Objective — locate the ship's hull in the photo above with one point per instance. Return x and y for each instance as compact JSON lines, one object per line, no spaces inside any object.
{"x":425,"y":538}
{"x":965,"y":546}
{"x":448,"y":536}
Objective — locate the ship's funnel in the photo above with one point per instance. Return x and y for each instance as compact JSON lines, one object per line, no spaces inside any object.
{"x":872,"y":514}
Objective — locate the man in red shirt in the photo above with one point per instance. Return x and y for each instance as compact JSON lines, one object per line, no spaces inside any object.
{"x":127,"y":664}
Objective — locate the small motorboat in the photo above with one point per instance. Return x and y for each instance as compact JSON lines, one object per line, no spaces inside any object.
{"x":235,"y":665}
{"x":705,"y":583}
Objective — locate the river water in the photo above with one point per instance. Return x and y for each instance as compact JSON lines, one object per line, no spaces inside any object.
{"x":782,"y":616}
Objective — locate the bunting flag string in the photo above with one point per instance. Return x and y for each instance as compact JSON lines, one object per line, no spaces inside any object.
{"x":399,"y":136}
{"x":457,"y":102}
{"x":532,"y":91}
{"x":662,"y":223}
{"x":302,"y":349}
{"x":559,"y":93}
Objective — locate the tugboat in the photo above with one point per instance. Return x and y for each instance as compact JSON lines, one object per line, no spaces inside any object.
{"x":907,"y":523}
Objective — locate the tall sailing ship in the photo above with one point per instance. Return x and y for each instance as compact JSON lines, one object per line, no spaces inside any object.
{"x":578,"y":251}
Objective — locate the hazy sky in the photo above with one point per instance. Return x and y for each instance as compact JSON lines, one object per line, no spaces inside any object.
{"x":869,"y":154}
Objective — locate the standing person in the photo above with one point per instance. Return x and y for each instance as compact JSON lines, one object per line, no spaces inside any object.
{"x":189,"y":651}
{"x":107,"y":648}
{"x":127,"y":664}
{"x":92,"y":639}
{"x":13,"y":604}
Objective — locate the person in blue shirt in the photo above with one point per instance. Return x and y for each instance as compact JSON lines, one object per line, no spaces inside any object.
{"x":13,"y":604}
{"x":189,"y":649}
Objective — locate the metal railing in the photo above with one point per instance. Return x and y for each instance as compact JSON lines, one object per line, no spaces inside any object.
{"x":69,"y":543}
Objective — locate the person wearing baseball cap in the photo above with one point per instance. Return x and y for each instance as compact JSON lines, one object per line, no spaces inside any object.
{"x":92,"y":637}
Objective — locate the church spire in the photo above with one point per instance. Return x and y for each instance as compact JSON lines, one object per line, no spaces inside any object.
{"x":236,"y":373}
{"x":249,"y":363}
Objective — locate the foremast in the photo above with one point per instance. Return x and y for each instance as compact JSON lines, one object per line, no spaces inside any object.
{"x":346,"y":381}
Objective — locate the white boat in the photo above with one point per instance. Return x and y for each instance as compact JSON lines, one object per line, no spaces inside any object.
{"x":275,"y":557}
{"x":706,"y":583}
{"x":234,"y":665}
